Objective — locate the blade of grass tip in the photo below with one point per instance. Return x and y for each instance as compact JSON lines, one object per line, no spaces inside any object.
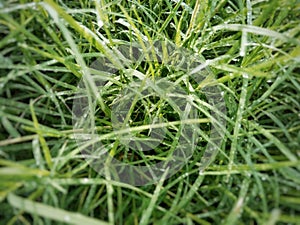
{"x":13,"y":132}
{"x":199,"y":31}
{"x":42,"y":140}
{"x":237,"y":126}
{"x":193,"y":18}
{"x":178,"y":41}
{"x":238,"y":207}
{"x":50,"y":212}
{"x":147,"y":213}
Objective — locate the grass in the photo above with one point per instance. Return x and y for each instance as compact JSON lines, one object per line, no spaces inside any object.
{"x":247,"y":50}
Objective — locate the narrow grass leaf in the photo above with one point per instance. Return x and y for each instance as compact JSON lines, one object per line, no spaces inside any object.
{"x":50,"y":212}
{"x":42,"y":140}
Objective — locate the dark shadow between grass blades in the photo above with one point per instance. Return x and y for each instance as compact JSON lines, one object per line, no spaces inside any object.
{"x":166,"y":128}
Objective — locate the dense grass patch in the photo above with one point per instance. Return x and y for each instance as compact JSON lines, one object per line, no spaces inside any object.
{"x":251,"y":53}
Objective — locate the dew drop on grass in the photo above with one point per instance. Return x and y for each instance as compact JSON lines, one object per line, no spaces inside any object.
{"x":67,"y":218}
{"x":100,"y":23}
{"x":248,"y":174}
{"x":240,"y":203}
{"x":85,"y":180}
{"x":245,"y":75}
{"x":228,"y":9}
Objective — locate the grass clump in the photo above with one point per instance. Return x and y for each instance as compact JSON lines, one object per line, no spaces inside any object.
{"x":250,"y":51}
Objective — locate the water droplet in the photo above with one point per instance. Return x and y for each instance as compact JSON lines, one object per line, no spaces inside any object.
{"x":85,"y":180}
{"x":100,"y":23}
{"x":245,"y":75}
{"x":67,"y":218}
{"x":228,"y":9}
{"x":240,"y":202}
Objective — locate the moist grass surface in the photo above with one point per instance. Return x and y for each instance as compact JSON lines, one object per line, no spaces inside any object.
{"x":250,"y":51}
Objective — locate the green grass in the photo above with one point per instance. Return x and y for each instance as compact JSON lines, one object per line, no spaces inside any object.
{"x":251,"y":50}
